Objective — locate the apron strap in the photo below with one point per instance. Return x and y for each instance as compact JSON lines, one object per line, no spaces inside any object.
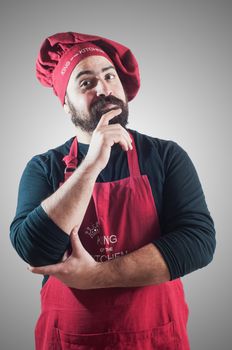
{"x":133,"y":162}
{"x":71,"y":159}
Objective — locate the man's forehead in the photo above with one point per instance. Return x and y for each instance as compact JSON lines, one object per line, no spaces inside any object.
{"x":94,"y":64}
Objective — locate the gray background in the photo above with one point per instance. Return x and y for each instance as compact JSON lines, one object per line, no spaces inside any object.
{"x":184,"y":52}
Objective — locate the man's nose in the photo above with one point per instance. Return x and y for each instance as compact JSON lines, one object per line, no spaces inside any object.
{"x":102,"y":88}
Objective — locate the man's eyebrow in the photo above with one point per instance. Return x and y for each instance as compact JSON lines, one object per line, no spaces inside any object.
{"x":104,"y":69}
{"x":92,"y":72}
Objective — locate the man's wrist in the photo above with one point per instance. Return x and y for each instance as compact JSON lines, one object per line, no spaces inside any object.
{"x":91,"y":168}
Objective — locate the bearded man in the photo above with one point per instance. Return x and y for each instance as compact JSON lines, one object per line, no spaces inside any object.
{"x":112,"y":218}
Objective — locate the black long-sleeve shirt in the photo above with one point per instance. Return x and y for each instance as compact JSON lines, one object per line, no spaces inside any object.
{"x":187,"y":240}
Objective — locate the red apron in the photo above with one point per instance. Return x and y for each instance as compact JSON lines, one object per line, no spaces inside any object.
{"x":121,"y":217}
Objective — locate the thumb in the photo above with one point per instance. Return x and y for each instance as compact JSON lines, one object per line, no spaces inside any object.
{"x":75,"y":241}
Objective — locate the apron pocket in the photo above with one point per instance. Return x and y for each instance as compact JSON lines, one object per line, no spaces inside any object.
{"x":166,"y":337}
{"x":160,"y":338}
{"x":99,"y":341}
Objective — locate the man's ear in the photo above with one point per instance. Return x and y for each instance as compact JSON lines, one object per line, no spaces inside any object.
{"x":66,"y":106}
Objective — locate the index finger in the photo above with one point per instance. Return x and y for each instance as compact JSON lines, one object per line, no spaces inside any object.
{"x":108,"y":116}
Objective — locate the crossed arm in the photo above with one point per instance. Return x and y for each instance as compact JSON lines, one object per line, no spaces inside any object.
{"x":142,"y":267}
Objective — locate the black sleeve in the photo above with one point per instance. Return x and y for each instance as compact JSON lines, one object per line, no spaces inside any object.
{"x":36,"y":238}
{"x":188,"y":241}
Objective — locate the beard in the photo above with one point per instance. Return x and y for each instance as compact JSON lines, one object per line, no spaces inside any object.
{"x":89,"y":122}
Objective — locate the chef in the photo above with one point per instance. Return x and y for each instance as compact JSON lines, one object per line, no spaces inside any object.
{"x":112,"y":218}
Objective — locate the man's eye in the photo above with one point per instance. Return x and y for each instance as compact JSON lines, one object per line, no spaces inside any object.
{"x":85,"y":83}
{"x":110,"y":76}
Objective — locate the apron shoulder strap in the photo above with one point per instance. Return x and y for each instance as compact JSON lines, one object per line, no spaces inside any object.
{"x":133,"y":161}
{"x":71,"y":159}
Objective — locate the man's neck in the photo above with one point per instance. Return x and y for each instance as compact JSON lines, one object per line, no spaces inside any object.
{"x":83,"y":136}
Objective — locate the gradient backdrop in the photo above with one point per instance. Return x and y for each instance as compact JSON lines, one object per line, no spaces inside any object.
{"x":184,"y":52}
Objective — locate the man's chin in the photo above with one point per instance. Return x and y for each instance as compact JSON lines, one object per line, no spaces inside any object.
{"x":106,"y":110}
{"x":119,"y":120}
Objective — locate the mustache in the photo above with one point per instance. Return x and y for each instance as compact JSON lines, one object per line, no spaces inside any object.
{"x":102,"y":102}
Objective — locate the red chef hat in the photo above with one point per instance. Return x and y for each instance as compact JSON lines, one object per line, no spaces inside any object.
{"x":61,"y":52}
